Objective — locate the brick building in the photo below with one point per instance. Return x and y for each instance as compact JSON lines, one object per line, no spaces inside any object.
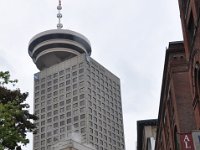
{"x":175,"y":100}
{"x":190,"y":18}
{"x":179,"y":112}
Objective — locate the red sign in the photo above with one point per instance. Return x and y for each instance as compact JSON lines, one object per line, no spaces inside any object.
{"x":186,"y":141}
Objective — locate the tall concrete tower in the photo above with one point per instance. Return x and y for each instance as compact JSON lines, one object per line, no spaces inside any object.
{"x":73,"y":93}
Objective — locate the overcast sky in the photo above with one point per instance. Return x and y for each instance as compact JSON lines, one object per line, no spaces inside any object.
{"x":128,"y":37}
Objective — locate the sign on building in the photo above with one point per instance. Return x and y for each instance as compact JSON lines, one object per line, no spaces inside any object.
{"x":186,"y":141}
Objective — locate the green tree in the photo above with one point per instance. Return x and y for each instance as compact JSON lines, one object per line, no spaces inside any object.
{"x":15,"y":119}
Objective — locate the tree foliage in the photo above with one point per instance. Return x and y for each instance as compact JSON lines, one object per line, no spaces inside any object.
{"x":15,"y":119}
{"x":5,"y":78}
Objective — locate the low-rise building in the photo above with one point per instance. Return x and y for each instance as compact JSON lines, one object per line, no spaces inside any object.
{"x":146,"y":134}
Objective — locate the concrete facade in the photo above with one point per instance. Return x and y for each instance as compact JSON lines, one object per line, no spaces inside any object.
{"x":74,"y":94}
{"x":72,"y":143}
{"x":146,"y":134}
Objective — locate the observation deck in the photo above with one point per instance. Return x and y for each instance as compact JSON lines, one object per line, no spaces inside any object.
{"x":54,"y":46}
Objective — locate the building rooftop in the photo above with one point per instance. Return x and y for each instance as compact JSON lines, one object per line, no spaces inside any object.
{"x":54,"y":46}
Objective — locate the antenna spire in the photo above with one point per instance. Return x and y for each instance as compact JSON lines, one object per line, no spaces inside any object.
{"x":59,"y":15}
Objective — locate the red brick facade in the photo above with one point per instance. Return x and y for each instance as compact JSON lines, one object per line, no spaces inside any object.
{"x":179,"y":110}
{"x":190,"y":18}
{"x":175,"y":112}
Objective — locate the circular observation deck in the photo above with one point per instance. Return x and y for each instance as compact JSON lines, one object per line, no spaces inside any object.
{"x":54,"y":46}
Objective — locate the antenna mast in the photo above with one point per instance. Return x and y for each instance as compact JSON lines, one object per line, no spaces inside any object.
{"x":59,"y":15}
